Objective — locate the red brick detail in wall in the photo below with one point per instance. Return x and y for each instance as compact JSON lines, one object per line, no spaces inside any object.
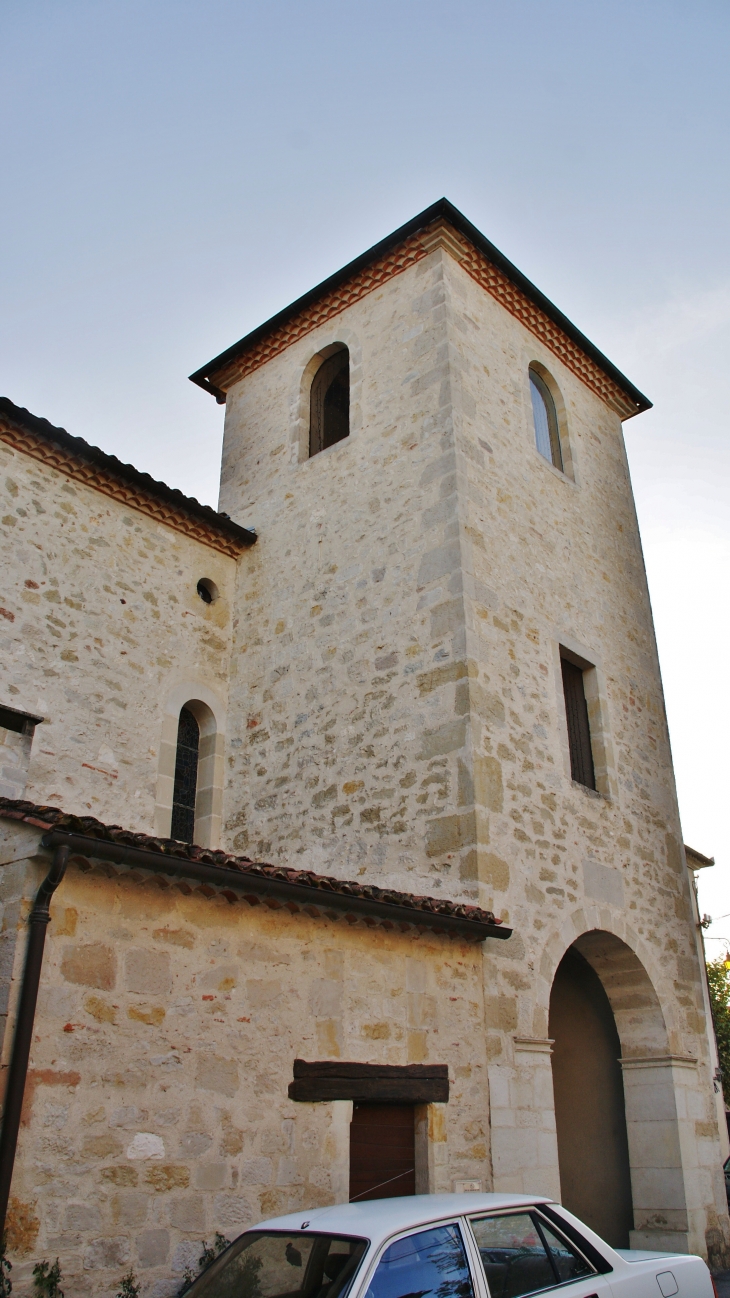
{"x":93,"y":476}
{"x":489,"y":277}
{"x":359,"y":286}
{"x":481,"y":270}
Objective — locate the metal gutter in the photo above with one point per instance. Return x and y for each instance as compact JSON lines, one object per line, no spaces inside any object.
{"x":295,"y":896}
{"x":441,"y":210}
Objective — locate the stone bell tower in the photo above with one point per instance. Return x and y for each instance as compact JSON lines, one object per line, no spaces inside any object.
{"x":445,"y":679}
{"x":423,"y":569}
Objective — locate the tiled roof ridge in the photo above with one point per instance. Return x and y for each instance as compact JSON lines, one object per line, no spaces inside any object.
{"x":102,"y":470}
{"x":47,"y":818}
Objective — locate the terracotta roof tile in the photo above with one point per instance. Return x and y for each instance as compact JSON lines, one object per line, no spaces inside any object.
{"x":52,"y":818}
{"x":106,"y":473}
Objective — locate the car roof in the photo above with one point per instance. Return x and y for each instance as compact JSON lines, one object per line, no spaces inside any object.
{"x":377,"y":1219}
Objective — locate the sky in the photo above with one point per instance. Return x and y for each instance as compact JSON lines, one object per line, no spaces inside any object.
{"x":175,"y":171}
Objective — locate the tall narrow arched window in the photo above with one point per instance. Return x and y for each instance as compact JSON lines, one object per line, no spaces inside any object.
{"x":329,"y":410}
{"x":186,"y":778}
{"x":545,"y":416}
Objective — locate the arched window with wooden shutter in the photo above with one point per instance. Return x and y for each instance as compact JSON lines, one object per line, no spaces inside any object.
{"x":329,"y":413}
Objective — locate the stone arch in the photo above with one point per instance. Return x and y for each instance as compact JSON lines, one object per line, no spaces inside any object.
{"x":609,"y":921}
{"x":652,"y":1085}
{"x":639,"y":1016}
{"x":209,"y":713}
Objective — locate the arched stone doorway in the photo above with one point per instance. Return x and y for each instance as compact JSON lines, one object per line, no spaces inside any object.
{"x":616,"y":1090}
{"x":590,"y":1116}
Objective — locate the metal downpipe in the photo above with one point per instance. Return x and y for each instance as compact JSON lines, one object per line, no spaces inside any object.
{"x":25,"y":1018}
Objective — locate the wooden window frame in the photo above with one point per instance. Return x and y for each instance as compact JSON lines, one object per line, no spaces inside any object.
{"x":580,"y":742}
{"x":322,"y":381}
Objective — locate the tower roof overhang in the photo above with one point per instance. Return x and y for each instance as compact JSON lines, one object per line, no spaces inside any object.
{"x":441,"y":224}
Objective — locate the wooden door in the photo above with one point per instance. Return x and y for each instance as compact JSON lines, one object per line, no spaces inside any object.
{"x":593,"y":1147}
{"x":382,"y":1151}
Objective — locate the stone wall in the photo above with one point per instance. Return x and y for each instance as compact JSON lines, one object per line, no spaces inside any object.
{"x":157,"y":1108}
{"x":101,"y":623}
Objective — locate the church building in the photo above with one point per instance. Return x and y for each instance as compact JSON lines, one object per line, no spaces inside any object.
{"x":351,"y":803}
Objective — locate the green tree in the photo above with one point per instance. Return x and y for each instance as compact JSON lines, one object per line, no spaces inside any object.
{"x":718,"y":977}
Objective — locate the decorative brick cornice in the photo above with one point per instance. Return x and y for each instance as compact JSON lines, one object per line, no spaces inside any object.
{"x":122,"y":482}
{"x":489,"y":277}
{"x":481,"y":270}
{"x":410,"y":252}
{"x":441,"y":226}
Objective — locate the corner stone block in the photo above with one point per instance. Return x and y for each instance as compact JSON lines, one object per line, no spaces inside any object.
{"x":501,"y":1012}
{"x":450,"y":834}
{"x":488,"y":788}
{"x":447,"y":739}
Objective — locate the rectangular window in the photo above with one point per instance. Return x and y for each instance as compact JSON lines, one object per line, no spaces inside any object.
{"x":579,"y":731}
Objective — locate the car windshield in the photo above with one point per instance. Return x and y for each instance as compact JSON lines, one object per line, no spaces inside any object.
{"x":280,"y":1264}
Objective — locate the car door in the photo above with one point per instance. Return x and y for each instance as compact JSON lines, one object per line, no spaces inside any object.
{"x":522,"y":1253}
{"x":430,"y":1262}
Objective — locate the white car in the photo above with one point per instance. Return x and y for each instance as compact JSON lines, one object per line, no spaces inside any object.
{"x":442,"y":1246}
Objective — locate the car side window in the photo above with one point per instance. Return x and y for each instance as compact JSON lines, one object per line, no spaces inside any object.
{"x":522,"y":1255}
{"x":567,"y":1262}
{"x":429,"y":1264}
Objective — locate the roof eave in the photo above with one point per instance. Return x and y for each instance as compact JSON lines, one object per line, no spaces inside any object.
{"x":441,"y":210}
{"x":115,"y":469}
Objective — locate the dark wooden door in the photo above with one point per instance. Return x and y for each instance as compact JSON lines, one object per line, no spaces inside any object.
{"x":593,"y":1147}
{"x":382,"y":1151}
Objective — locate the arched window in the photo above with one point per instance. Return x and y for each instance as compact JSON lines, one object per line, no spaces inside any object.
{"x":329,"y":411}
{"x":186,"y":778}
{"x":547,"y":434}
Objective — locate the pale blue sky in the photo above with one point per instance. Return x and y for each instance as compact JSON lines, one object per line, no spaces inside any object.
{"x":174,"y":171}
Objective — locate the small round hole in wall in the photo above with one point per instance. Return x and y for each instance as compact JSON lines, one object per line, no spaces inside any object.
{"x":207,"y":590}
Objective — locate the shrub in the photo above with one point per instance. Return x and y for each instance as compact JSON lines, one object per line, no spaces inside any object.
{"x":6,"y":1266}
{"x":129,"y":1286}
{"x":46,"y":1280}
{"x":208,"y":1255}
